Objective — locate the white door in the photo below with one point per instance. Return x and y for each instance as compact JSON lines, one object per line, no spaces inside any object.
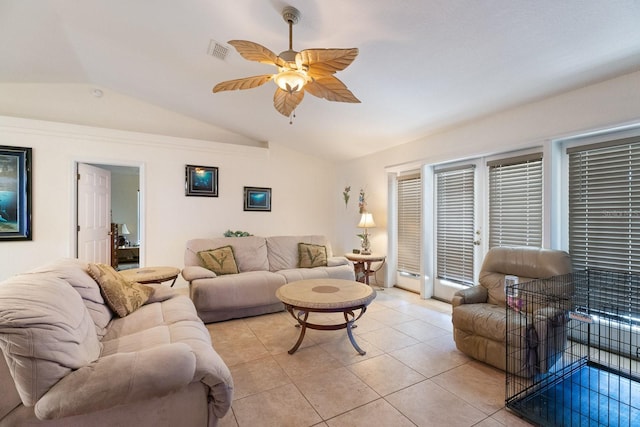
{"x":457,"y":231}
{"x":94,"y":214}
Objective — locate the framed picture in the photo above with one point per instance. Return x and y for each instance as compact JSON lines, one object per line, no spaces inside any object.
{"x":257,"y":199}
{"x":201,"y":181}
{"x":15,"y":193}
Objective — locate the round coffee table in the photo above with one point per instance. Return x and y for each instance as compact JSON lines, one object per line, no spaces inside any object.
{"x":326,"y":296}
{"x":151,"y":274}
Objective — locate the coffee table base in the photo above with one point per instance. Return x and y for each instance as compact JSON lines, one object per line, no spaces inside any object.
{"x":303,"y":314}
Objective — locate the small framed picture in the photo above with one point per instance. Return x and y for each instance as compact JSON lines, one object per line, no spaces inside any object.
{"x":257,"y":199}
{"x":15,"y":193}
{"x":201,"y":181}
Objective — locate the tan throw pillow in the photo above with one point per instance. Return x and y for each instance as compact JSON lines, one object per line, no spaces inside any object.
{"x":220,"y":260}
{"x":310,"y":256}
{"x":122,"y":296}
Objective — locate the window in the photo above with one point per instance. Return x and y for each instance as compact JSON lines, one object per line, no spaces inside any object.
{"x":455,"y":224}
{"x":515,"y":201}
{"x":409,"y":224}
{"x":604,"y":205}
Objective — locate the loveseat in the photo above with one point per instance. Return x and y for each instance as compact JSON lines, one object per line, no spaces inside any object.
{"x":263,"y":264}
{"x":69,"y":360}
{"x":479,"y":313}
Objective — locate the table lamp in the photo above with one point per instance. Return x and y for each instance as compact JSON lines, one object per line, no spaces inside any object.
{"x":124,"y":231}
{"x":366,"y":222}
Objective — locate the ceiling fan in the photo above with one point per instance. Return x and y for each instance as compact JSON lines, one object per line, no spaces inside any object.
{"x":310,"y":70}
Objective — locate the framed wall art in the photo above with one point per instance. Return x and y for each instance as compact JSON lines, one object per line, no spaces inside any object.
{"x":201,"y":181}
{"x":257,"y":199}
{"x":15,"y":193}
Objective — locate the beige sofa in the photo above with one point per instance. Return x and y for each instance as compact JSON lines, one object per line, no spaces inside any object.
{"x":264,"y":264}
{"x":68,"y":361}
{"x":480,"y":317}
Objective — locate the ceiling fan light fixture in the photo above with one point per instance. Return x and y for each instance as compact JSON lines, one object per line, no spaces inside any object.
{"x":291,"y":80}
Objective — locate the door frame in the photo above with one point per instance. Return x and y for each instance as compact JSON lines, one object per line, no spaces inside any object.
{"x":141,"y":206}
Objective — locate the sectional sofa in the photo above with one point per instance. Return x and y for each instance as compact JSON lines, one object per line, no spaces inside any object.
{"x":263,"y":264}
{"x":69,"y":360}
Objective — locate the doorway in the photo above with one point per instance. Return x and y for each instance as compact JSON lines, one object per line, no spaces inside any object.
{"x":123,"y":213}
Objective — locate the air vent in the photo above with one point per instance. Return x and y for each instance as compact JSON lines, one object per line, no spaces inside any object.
{"x":217,"y":50}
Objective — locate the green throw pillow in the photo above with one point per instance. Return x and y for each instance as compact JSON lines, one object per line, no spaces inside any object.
{"x":310,"y":256}
{"x":220,"y":260}
{"x":122,"y":296}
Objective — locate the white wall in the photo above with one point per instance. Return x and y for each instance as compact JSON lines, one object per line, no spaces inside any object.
{"x":302,"y":188}
{"x":600,"y":106}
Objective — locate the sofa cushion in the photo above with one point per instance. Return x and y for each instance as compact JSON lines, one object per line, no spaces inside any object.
{"x":76,"y":273}
{"x":45,"y":332}
{"x":250,"y":252}
{"x":310,"y":255}
{"x":122,"y":296}
{"x":283,"y":250}
{"x":489,"y":321}
{"x":220,"y":261}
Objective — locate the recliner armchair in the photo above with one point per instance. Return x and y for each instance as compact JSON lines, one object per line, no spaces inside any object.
{"x":480,"y":317}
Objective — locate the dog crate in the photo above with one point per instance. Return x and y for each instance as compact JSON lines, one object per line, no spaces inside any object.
{"x":590,"y":375}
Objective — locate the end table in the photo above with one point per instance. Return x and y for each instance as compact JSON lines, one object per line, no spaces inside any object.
{"x":151,"y":274}
{"x":362,"y":263}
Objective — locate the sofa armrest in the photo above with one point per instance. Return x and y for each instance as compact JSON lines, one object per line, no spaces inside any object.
{"x":161,"y":293}
{"x":118,"y":379}
{"x":336,"y":261}
{"x":193,"y":272}
{"x":473,"y":295}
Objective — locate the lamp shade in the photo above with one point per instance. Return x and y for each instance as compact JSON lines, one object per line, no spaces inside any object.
{"x":124,"y":229}
{"x":366,"y":221}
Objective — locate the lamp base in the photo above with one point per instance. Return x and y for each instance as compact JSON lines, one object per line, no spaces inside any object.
{"x":365,"y":252}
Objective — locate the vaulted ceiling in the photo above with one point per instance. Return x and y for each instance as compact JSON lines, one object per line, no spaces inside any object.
{"x":423,"y":66}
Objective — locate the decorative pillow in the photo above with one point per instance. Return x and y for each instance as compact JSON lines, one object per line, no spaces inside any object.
{"x":122,"y":296}
{"x":220,"y":260}
{"x":310,"y":256}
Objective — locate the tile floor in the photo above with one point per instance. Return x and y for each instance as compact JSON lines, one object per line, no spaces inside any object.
{"x":412,"y":374}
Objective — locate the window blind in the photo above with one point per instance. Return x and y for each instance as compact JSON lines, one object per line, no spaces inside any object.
{"x":455,"y":224}
{"x":515,"y":201}
{"x":604,"y":206}
{"x":409,"y":214}
{"x":604,"y":212}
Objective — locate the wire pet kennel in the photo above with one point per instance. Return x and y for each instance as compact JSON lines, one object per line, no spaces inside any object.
{"x":593,"y":377}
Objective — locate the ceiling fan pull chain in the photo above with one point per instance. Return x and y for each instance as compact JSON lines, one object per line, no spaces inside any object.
{"x":292,"y":116}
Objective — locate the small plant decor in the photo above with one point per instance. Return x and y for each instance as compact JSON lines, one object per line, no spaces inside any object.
{"x":362,"y":202}
{"x":346,"y":196}
{"x":238,"y":233}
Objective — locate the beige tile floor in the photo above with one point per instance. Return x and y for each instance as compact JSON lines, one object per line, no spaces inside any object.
{"x":412,"y":374}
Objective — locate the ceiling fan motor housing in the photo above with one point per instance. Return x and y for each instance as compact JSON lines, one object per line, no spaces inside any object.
{"x":291,"y":14}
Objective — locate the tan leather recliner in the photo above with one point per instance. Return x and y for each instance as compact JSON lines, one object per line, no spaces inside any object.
{"x":479,"y":313}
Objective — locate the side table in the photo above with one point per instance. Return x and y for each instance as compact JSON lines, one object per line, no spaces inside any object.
{"x":151,"y":274}
{"x":362,"y":264}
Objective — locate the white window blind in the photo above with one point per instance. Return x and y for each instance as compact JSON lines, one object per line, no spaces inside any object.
{"x":515,"y":201}
{"x":409,"y":214}
{"x":604,"y":205}
{"x":455,"y":224}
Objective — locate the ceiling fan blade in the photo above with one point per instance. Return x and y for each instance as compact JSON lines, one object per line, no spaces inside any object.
{"x":327,"y":61}
{"x":245,"y":83}
{"x":286,"y":102}
{"x":331,"y":89}
{"x":255,"y":52}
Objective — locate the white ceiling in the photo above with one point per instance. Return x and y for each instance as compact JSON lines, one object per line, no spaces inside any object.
{"x":424,"y":65}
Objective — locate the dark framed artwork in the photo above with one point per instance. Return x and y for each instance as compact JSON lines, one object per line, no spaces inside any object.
{"x":15,"y":193}
{"x":257,"y":199}
{"x":201,"y":181}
